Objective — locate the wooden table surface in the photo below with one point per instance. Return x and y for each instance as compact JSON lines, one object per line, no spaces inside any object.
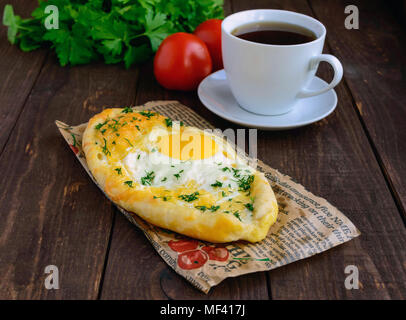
{"x":51,"y":212}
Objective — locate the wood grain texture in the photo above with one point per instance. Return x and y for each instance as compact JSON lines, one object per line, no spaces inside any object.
{"x":333,"y":159}
{"x":134,"y":269}
{"x":51,"y":212}
{"x":375,"y":67}
{"x":18,"y":71}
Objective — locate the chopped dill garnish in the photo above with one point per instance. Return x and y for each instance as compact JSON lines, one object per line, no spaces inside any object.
{"x":147,"y":114}
{"x":189,"y":197}
{"x":168,"y":122}
{"x":177,"y":175}
{"x":127,"y":110}
{"x":249,"y":206}
{"x":237,"y":215}
{"x":244,"y":183}
{"x":226,"y":169}
{"x":236,"y":172}
{"x":217,"y":184}
{"x":104,"y":149}
{"x":118,"y":170}
{"x":204,"y":208}
{"x":128,"y":142}
{"x":164,"y":179}
{"x":129,"y":183}
{"x":98,"y":126}
{"x":164,"y":198}
{"x":148,"y":179}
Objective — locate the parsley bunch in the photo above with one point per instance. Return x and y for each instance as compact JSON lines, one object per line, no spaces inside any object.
{"x":128,"y":31}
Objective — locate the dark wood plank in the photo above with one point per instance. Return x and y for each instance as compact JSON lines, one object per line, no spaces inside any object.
{"x":18,"y":71}
{"x":51,"y":212}
{"x":134,"y":269}
{"x":333,"y":159}
{"x":375,"y":60}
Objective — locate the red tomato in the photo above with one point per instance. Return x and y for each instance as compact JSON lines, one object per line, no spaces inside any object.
{"x":181,"y":62}
{"x":183,"y":245}
{"x":210,"y":32}
{"x":74,"y":149}
{"x":216,"y":253}
{"x":192,"y":259}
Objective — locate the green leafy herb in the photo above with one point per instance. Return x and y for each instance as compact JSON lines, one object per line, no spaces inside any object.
{"x":129,"y":183}
{"x":189,"y":197}
{"x":226,"y":169}
{"x":249,"y":206}
{"x":168,"y":122}
{"x":164,"y":198}
{"x":217,"y":184}
{"x":214,"y":208}
{"x":105,"y":149}
{"x":148,"y":179}
{"x":128,"y":142}
{"x":223,"y":193}
{"x":164,"y":179}
{"x":204,"y":208}
{"x":177,"y":175}
{"x":100,"y":125}
{"x":237,"y":215}
{"x":127,"y":110}
{"x":127,"y":31}
{"x":244,"y":183}
{"x":118,"y":170}
{"x":147,"y":114}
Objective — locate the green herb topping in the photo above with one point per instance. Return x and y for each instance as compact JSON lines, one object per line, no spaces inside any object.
{"x":148,"y":179}
{"x":127,"y":110}
{"x":189,"y":197}
{"x":249,"y":206}
{"x":105,"y":149}
{"x":168,"y":122}
{"x":217,"y":184}
{"x":177,"y":175}
{"x":129,"y":183}
{"x":147,"y":114}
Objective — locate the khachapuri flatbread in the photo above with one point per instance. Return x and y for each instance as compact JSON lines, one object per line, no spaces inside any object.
{"x":178,"y":177}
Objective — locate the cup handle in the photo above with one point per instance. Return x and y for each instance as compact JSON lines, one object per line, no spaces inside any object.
{"x":338,"y":74}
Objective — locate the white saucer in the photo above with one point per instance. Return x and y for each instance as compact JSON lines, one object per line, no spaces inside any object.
{"x":216,"y":95}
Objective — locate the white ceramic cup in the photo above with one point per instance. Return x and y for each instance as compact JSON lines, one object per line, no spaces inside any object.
{"x":270,"y":79}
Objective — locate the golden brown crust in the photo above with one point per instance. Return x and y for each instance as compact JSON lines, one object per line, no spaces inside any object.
{"x":106,"y":142}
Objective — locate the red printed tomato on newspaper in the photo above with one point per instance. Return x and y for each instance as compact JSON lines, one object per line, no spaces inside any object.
{"x":183,"y":245}
{"x":216,"y":253}
{"x":192,"y":259}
